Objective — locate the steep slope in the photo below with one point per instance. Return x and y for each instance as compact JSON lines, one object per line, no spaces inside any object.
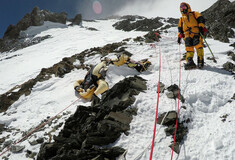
{"x":208,"y":106}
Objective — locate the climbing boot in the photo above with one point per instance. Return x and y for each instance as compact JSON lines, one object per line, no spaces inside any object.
{"x":190,"y":64}
{"x":200,"y":59}
{"x":200,"y":62}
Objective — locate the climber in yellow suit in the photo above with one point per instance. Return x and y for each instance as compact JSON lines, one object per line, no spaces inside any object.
{"x":190,"y":26}
{"x":94,"y":82}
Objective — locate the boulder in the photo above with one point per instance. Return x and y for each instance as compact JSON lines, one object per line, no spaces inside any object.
{"x":173,"y":92}
{"x":169,"y":120}
{"x":77,"y":20}
{"x":17,"y":149}
{"x":229,"y":66}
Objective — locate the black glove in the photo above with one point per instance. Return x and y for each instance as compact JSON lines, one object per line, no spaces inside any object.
{"x":179,"y":40}
{"x":201,"y":30}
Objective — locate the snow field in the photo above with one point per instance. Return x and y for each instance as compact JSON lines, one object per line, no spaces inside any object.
{"x":206,"y":93}
{"x":65,"y":42}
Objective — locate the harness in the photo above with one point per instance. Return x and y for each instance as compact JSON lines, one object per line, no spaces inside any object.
{"x":189,"y":28}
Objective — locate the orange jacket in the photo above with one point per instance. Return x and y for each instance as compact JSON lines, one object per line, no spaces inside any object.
{"x":190,"y":22}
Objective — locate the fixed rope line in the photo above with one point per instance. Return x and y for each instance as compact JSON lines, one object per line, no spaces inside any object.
{"x":155,"y":123}
{"x":178,"y":104}
{"x":156,"y":135}
{"x":37,"y":128}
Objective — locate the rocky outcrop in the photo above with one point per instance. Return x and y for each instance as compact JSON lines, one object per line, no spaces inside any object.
{"x":16,"y":44}
{"x":35,"y":18}
{"x":138,"y":23}
{"x":152,"y":36}
{"x":232,"y":55}
{"x":87,"y":133}
{"x":11,"y":40}
{"x":77,"y":20}
{"x":220,"y":18}
{"x":229,"y":66}
{"x":60,"y":69}
{"x":169,"y":120}
{"x":173,"y":93}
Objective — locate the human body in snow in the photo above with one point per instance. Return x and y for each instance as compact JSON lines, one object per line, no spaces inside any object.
{"x":94,"y":82}
{"x":190,"y":26}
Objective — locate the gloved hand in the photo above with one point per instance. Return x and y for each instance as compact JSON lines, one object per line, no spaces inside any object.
{"x":78,"y":88}
{"x":201,"y":30}
{"x":179,"y":40}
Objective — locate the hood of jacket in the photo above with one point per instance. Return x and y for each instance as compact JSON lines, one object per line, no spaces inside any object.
{"x":188,"y":6}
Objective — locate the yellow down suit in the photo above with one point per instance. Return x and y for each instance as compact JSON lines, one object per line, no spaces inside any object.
{"x":190,"y":25}
{"x":94,"y":81}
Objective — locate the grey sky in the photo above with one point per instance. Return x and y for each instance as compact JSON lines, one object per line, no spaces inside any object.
{"x":11,"y":11}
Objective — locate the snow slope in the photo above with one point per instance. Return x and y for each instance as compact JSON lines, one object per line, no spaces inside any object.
{"x":206,"y":92}
{"x":66,"y":42}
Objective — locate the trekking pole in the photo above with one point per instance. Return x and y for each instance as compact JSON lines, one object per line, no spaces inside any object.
{"x":209,"y":48}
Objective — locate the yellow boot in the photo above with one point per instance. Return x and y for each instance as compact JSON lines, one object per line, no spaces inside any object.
{"x":200,"y":58}
{"x":189,"y":59}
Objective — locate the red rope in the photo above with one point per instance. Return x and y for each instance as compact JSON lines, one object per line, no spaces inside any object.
{"x":155,"y":123}
{"x":37,"y":128}
{"x":178,"y":104}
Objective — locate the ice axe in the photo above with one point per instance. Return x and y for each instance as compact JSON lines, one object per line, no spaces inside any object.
{"x":209,"y":48}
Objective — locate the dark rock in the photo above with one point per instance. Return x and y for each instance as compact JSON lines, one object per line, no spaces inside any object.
{"x":12,"y":41}
{"x":7,"y":143}
{"x":224,"y":117}
{"x":173,"y":92}
{"x":132,"y":23}
{"x":170,"y":121}
{"x":176,"y":147}
{"x":233,"y":96}
{"x":220,"y":19}
{"x":152,"y":37}
{"x":232,"y":45}
{"x":36,"y":18}
{"x":2,"y":126}
{"x":228,"y":66}
{"x":33,"y":143}
{"x":170,"y":118}
{"x":132,"y":17}
{"x":17,"y":149}
{"x":138,"y":39}
{"x":232,"y":55}
{"x":2,"y":140}
{"x":30,"y":154}
{"x":40,"y":140}
{"x":16,"y":44}
{"x":162,"y":87}
{"x":90,"y":128}
{"x":92,"y":29}
{"x":77,"y":20}
{"x":173,"y":21}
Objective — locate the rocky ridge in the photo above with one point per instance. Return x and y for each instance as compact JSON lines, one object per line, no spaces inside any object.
{"x":59,"y":70}
{"x":220,"y":19}
{"x":87,"y":133}
{"x":138,"y":23}
{"x":12,"y":39}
